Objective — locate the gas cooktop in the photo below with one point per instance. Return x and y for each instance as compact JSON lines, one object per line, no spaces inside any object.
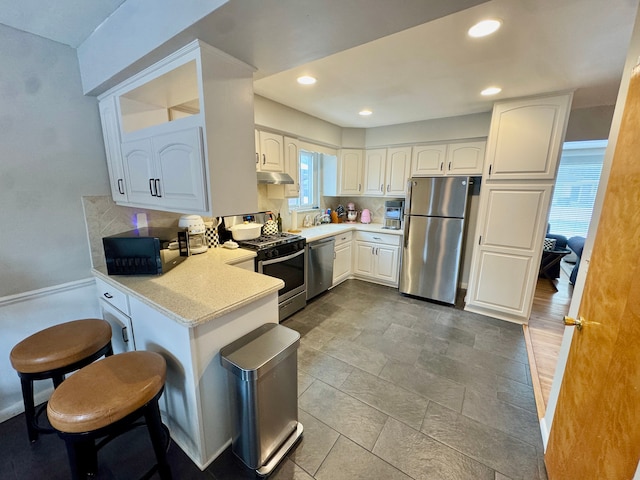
{"x":268,"y":241}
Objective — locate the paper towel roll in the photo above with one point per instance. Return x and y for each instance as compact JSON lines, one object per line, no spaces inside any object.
{"x":294,"y":220}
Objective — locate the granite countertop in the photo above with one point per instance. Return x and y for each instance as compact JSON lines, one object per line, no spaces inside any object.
{"x":202,"y":288}
{"x":330,"y":229}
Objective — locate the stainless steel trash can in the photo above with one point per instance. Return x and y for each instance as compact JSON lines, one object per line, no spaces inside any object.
{"x":263,"y":384}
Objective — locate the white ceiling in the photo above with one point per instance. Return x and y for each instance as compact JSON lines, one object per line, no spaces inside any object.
{"x":428,"y":71}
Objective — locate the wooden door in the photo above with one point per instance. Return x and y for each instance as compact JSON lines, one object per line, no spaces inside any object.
{"x":595,"y":432}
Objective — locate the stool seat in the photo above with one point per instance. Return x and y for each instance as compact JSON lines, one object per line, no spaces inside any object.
{"x":106,"y":391}
{"x":61,"y":345}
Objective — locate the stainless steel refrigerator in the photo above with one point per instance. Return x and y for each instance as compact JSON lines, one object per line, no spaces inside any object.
{"x":433,"y":226}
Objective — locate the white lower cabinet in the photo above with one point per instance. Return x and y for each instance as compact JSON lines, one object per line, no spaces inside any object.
{"x":342,"y":258}
{"x":114,"y":306}
{"x":377,"y":257}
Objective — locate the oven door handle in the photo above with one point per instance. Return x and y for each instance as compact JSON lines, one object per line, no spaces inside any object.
{"x":282,"y":259}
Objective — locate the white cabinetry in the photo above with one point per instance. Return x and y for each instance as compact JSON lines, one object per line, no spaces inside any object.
{"x":463,"y":158}
{"x":166,"y":170}
{"x":523,"y":147}
{"x":111,"y":135}
{"x":342,"y":258}
{"x":397,"y":171}
{"x":270,"y":155}
{"x":374,"y":169}
{"x":526,"y":138}
{"x":114,"y":306}
{"x":198,"y":90}
{"x":428,"y":160}
{"x":466,"y":158}
{"x":377,"y":257}
{"x":292,"y":166}
{"x":350,"y":178}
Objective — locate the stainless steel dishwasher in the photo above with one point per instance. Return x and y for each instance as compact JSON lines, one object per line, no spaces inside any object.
{"x":319,"y":266}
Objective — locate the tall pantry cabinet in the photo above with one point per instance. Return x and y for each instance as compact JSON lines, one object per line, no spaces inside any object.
{"x":523,"y":148}
{"x":178,"y":135}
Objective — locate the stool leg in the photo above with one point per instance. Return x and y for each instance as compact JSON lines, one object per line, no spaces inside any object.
{"x":57,"y":380}
{"x":29,"y":408}
{"x":157,"y":434}
{"x":83,"y":458}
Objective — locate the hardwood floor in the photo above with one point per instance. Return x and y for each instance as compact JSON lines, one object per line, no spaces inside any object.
{"x":544,"y":333}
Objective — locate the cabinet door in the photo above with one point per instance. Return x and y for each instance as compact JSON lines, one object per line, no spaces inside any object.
{"x":465,"y":158}
{"x":428,"y":160}
{"x":271,"y":152}
{"x":510,"y":229}
{"x":525,"y":138}
{"x":342,"y":263}
{"x":180,"y":170}
{"x":111,"y":135}
{"x":292,"y":166}
{"x":398,"y":169}
{"x":374,"y":166}
{"x":364,"y":261}
{"x":386,"y":259}
{"x":351,"y":172}
{"x":122,"y":339}
{"x":139,"y":172}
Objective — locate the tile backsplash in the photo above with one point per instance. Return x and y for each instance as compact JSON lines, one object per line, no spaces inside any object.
{"x":103,"y":218}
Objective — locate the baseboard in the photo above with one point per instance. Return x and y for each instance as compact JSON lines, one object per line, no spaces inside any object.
{"x":17,"y":408}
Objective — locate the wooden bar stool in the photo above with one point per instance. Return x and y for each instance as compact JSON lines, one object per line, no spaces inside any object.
{"x":104,"y":400}
{"x":54,"y":352}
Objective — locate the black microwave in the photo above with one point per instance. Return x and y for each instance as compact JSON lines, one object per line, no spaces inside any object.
{"x":150,"y":251}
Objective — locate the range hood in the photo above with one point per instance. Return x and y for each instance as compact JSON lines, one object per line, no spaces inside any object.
{"x":274,"y":178}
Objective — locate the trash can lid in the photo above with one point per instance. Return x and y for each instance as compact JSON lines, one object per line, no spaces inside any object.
{"x":257,"y":352}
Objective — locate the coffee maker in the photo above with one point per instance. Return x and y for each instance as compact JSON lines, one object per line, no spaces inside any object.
{"x":194,"y":225}
{"x":393,"y":211}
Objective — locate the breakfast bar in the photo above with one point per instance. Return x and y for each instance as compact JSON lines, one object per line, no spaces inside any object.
{"x":187,"y":315}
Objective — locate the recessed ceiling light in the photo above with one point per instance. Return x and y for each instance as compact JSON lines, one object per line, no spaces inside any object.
{"x":306,"y":80}
{"x":490,"y":91}
{"x":484,"y":28}
{"x":365,"y":113}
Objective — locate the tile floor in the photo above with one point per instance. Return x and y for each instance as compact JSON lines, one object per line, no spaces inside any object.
{"x":390,"y":387}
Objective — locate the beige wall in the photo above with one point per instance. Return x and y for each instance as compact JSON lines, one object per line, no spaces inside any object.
{"x":591,"y":123}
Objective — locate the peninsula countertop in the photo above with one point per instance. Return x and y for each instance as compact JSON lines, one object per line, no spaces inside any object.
{"x":329,"y":229}
{"x":200,"y":289}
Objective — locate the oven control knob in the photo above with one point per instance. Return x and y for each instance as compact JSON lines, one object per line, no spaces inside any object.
{"x":274,"y":253}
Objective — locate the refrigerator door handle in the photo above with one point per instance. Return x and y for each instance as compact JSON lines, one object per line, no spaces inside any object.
{"x":407,"y":205}
{"x":406,"y":230}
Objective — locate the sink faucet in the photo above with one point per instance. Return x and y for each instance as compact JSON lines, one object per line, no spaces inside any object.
{"x":317,"y":220}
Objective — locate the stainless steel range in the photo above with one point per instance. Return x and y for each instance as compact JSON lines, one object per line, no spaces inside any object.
{"x":283,"y":256}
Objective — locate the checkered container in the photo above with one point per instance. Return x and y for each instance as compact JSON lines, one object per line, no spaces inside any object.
{"x":549,"y":243}
{"x":211,"y":234}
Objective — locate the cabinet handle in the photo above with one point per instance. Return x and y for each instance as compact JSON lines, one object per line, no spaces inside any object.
{"x":382,"y":187}
{"x":388,"y":187}
{"x":441,"y":165}
{"x":359,"y":185}
{"x":125,"y":335}
{"x":257,"y":158}
{"x":490,"y":169}
{"x":449,"y":165}
{"x":107,"y":295}
{"x":121,"y":186}
{"x":151,"y":187}
{"x":264,"y":159}
{"x":157,"y":183}
{"x":377,"y":238}
{"x":480,"y":240}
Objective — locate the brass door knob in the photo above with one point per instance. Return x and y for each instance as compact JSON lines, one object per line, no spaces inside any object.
{"x":577,"y":322}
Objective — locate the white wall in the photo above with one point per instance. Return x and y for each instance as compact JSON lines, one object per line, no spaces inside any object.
{"x":52,"y":153}
{"x":591,"y":123}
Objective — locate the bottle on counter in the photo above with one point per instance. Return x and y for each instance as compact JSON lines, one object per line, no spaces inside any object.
{"x":279,"y":222}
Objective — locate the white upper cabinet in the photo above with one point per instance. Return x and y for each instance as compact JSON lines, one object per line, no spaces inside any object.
{"x":465,"y":158}
{"x":351,"y":164}
{"x":374,"y":170}
{"x":271,"y":154}
{"x":461,"y":158}
{"x":111,"y":134}
{"x":398,"y":171}
{"x":178,"y":135}
{"x":166,"y":170}
{"x":428,"y":160}
{"x":292,"y":166}
{"x":525,"y":138}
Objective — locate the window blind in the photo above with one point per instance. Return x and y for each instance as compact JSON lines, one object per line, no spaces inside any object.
{"x":576,"y":188}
